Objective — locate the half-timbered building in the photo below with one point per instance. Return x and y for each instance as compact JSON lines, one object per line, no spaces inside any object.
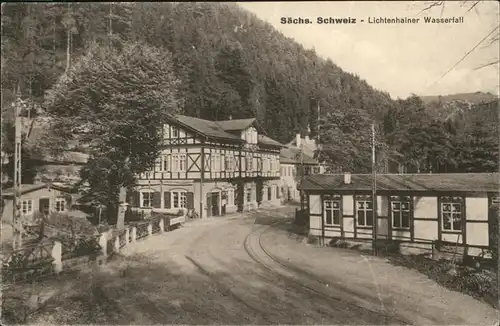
{"x":211,"y":167}
{"x":419,"y":211}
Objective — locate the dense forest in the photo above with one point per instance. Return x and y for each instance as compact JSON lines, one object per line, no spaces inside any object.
{"x":230,"y":63}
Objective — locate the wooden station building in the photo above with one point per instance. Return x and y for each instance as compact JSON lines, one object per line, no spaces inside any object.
{"x":453,"y":209}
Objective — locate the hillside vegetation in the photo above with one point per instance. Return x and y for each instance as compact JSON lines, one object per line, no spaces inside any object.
{"x":231,"y":63}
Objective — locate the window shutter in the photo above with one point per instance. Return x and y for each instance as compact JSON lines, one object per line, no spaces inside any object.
{"x":156,"y":200}
{"x":189,"y":200}
{"x":167,"y":197}
{"x":68,"y":200}
{"x":135,"y":199}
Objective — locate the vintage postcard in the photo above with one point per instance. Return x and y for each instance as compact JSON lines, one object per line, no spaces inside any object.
{"x":250,"y":163}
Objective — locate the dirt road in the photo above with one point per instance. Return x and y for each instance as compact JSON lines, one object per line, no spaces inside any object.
{"x":252,"y":270}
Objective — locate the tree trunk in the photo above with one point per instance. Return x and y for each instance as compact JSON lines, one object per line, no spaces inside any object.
{"x":68,"y":41}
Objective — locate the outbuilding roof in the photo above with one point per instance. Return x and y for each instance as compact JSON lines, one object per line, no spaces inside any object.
{"x":452,"y":182}
{"x":292,"y":155}
{"x":26,"y":188}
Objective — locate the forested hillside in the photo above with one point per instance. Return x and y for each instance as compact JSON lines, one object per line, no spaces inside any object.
{"x":229,"y":61}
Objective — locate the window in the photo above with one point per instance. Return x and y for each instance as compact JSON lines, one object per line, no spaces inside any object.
{"x":275,"y":188}
{"x":249,"y":164}
{"x":179,"y":163}
{"x":289,"y":171}
{"x":147,"y":199}
{"x":332,"y":210}
{"x":27,"y":207}
{"x":229,"y":162}
{"x":316,"y":170}
{"x":364,"y":210}
{"x":400,"y":212}
{"x":248,"y":195}
{"x":269,"y":194}
{"x":175,"y":132}
{"x":165,"y":163}
{"x":179,"y":199}
{"x":60,"y":204}
{"x":222,"y":161}
{"x":451,"y":213}
{"x":215,"y":163}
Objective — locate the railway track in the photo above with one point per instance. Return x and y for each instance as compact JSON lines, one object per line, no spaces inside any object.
{"x":299,"y":279}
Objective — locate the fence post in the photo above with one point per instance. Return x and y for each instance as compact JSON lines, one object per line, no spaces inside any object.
{"x":57,"y":256}
{"x":150,"y":228}
{"x":134,"y":234}
{"x":127,"y":235}
{"x":162,"y":225}
{"x":117,"y":243}
{"x":104,"y":244}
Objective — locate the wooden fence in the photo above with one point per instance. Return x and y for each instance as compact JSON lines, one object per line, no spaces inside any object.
{"x":60,"y":255}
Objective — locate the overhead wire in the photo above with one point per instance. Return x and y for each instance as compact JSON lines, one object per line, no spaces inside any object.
{"x":463,"y":58}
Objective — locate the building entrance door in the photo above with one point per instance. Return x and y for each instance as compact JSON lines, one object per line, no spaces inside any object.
{"x":215,"y":204}
{"x":44,"y":206}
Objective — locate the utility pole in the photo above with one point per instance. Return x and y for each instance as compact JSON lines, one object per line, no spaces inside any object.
{"x":374,"y":193}
{"x":16,"y":203}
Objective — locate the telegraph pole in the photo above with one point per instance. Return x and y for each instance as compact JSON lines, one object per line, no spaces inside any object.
{"x":16,"y":203}
{"x":374,"y":192}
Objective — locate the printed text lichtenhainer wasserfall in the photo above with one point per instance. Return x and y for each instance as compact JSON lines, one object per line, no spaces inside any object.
{"x":371,"y":20}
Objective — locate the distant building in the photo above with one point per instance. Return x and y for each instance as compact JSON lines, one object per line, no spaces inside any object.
{"x":297,"y":161}
{"x":41,"y":197}
{"x":424,"y":209}
{"x":212,"y":167}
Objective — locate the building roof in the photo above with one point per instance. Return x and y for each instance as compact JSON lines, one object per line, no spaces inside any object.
{"x":264,"y":140}
{"x":218,"y":129}
{"x":237,"y":124}
{"x":473,"y":182}
{"x":26,"y":188}
{"x":206,"y":127}
{"x":292,"y":155}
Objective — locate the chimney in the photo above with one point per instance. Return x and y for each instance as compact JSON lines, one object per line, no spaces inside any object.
{"x":298,"y":140}
{"x":347,"y":178}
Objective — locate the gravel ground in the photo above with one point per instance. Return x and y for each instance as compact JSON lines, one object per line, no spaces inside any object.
{"x":249,"y":269}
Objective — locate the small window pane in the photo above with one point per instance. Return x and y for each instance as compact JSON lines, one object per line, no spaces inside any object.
{"x":328,"y":217}
{"x":396,"y":219}
{"x":396,"y":206}
{"x":336,"y":217}
{"x":369,"y":218}
{"x":447,"y":221}
{"x":405,"y":219}
{"x":457,"y":225}
{"x":361,"y":218}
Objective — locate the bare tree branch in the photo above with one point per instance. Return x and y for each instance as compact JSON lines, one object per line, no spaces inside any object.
{"x":473,"y":5}
{"x":431,"y":5}
{"x":487,"y":64}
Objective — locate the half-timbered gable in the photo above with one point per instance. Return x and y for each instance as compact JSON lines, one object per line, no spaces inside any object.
{"x":222,"y":165}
